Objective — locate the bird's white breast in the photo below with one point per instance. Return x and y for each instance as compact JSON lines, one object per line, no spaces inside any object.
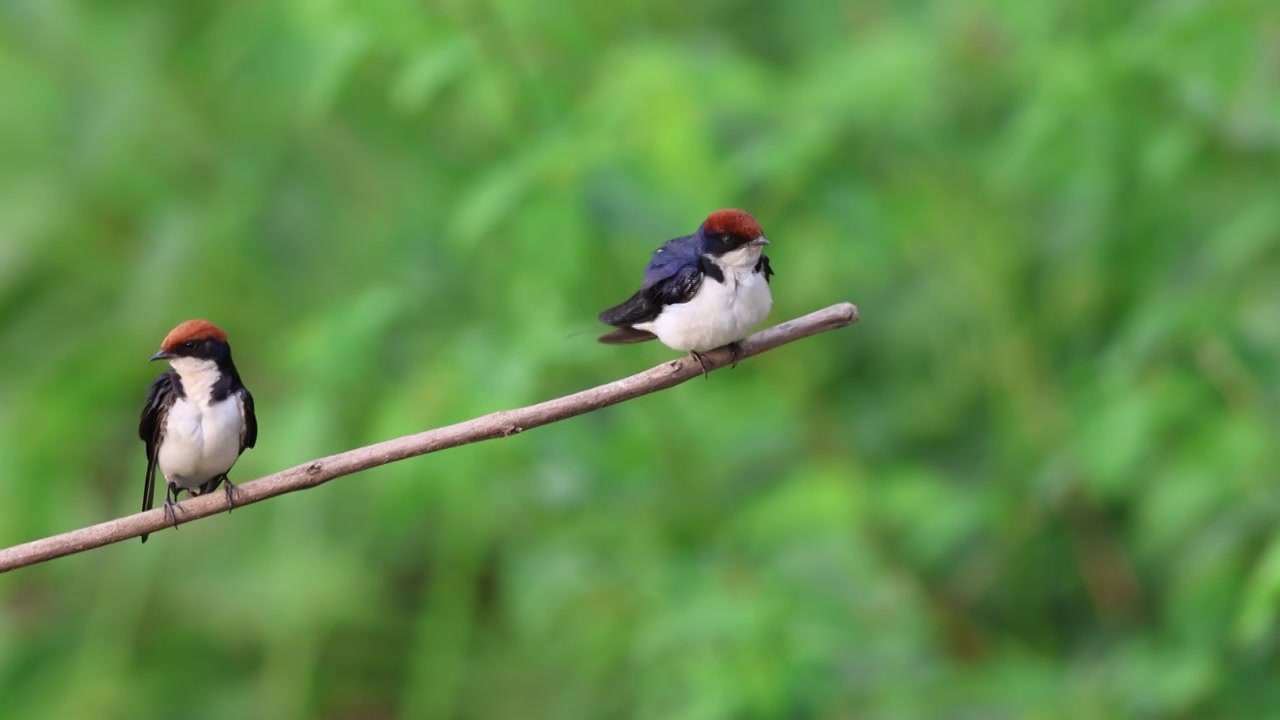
{"x":201,"y":438}
{"x":718,"y":314}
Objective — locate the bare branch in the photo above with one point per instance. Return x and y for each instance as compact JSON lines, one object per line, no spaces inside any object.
{"x":494,"y":425}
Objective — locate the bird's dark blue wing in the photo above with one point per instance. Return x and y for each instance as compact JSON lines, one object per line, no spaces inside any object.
{"x":249,"y":435}
{"x":673,"y":276}
{"x":674,"y":255}
{"x":679,"y":285}
{"x":160,"y":396}
{"x":683,"y":284}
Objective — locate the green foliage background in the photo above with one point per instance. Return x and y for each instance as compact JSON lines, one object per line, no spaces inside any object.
{"x":1038,"y":479}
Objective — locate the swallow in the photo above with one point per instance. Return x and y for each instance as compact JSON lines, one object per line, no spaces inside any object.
{"x":700,"y":291}
{"x":197,"y":418}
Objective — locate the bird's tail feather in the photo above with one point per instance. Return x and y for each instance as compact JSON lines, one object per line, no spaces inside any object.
{"x":626,"y":335}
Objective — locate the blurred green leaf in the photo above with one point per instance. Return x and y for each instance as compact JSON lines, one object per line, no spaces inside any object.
{"x":1037,"y":479}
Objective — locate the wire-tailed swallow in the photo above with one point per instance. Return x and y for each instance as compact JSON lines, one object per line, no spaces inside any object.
{"x":700,"y":291}
{"x":198,"y":417}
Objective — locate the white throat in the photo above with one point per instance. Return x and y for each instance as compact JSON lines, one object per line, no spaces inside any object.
{"x":198,"y":376}
{"x":744,"y":257}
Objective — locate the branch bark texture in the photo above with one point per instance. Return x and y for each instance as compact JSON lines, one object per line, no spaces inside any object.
{"x":500,"y":424}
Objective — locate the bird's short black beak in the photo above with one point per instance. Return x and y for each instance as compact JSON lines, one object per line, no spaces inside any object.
{"x":761,"y":241}
{"x":162,"y":355}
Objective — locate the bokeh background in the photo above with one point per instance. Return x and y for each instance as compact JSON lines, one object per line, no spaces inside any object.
{"x":1037,"y":480}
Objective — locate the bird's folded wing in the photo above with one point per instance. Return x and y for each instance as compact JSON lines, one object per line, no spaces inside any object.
{"x":160,"y":397}
{"x":249,"y":431}
{"x":647,"y":303}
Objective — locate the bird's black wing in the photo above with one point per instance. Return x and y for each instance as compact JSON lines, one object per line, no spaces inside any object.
{"x":635,"y":309}
{"x":160,"y":397}
{"x":683,"y":285}
{"x":647,"y":302}
{"x":672,"y":276}
{"x":249,"y":433}
{"x":669,"y":261}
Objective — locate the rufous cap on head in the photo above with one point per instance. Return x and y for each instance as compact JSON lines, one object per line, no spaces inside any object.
{"x":192,"y":330}
{"x":734,"y":222}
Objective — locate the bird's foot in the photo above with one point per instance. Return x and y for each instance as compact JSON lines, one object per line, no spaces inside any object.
{"x":171,"y":512}
{"x":231,"y":492}
{"x":735,"y":353}
{"x":702,"y":361}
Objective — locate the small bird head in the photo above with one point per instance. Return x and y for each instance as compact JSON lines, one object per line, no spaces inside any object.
{"x":196,"y":342}
{"x":732,"y":231}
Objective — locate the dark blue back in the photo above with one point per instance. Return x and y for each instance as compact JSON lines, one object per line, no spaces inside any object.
{"x":674,"y":255}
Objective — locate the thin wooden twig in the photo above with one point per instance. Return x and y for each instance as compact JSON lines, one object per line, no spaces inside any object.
{"x":488,"y":427}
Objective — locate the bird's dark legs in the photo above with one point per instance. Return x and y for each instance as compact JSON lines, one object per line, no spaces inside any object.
{"x":735,"y":353}
{"x":231,"y":492}
{"x":702,"y":361}
{"x":171,"y":506}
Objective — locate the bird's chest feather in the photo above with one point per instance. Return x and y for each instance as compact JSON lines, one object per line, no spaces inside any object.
{"x":720,"y":312}
{"x":201,"y":437}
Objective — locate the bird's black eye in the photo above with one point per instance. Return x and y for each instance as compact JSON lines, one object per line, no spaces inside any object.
{"x":189,"y":345}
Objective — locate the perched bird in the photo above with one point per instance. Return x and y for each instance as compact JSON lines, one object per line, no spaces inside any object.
{"x":700,"y":291}
{"x":198,"y":417}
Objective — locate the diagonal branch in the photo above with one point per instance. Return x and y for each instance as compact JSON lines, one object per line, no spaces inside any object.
{"x":503,"y":423}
